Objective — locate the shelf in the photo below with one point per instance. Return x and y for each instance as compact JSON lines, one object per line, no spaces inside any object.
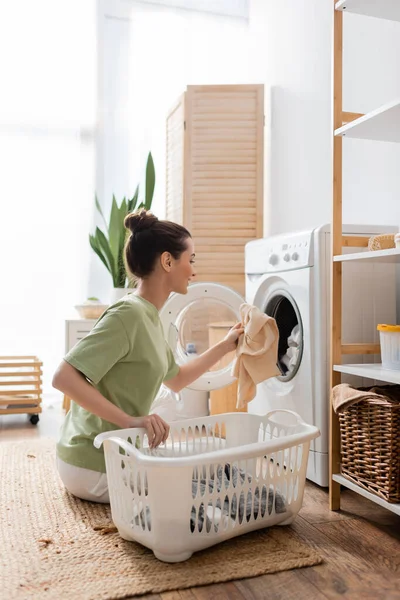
{"x":359,"y":490}
{"x":371,"y":371}
{"x":382,"y":9}
{"x":382,"y":124}
{"x":383,"y":256}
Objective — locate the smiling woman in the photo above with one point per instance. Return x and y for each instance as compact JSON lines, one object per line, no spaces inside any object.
{"x":114,"y":374}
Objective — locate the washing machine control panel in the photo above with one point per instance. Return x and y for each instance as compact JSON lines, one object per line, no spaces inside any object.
{"x":279,"y":253}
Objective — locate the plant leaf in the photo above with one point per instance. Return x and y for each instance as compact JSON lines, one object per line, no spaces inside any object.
{"x":121,"y":275}
{"x":150,"y":182}
{"x":93,"y":243}
{"x":124,"y":233}
{"x":115,"y":230}
{"x":123,"y":209}
{"x":99,"y":209}
{"x":110,"y":249}
{"x":104,"y":245}
{"x":133,"y":201}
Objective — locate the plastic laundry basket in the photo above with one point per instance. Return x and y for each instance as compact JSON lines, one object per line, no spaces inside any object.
{"x":389,"y":336}
{"x":201,"y":488}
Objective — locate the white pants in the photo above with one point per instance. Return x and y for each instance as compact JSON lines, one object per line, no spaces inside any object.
{"x":84,"y":483}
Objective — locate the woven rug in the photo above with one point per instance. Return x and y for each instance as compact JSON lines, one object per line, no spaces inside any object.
{"x":54,"y":546}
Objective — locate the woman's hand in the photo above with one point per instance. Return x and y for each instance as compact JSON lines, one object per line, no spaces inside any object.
{"x":231,"y":338}
{"x":156,"y":428}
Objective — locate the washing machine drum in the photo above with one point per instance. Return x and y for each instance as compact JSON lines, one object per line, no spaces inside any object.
{"x":196,"y":321}
{"x":282,"y":307}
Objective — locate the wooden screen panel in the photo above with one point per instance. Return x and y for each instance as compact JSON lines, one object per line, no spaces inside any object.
{"x":175,"y":162}
{"x":224,"y":177}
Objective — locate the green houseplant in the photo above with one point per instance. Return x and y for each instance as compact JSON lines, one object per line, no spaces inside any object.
{"x":109,"y":244}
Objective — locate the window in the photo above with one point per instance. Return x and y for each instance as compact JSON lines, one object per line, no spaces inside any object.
{"x":47,"y":127}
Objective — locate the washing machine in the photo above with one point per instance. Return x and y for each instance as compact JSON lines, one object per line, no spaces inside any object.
{"x":288,"y":278}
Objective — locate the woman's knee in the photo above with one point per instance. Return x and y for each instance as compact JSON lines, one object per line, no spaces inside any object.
{"x":84,"y":483}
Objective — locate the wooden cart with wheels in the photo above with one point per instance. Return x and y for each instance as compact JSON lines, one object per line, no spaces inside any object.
{"x":21,"y":386}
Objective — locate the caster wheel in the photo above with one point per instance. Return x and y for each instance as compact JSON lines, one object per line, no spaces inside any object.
{"x":34,"y":419}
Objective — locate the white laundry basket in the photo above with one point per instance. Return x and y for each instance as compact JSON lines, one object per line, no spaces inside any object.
{"x":201,"y":488}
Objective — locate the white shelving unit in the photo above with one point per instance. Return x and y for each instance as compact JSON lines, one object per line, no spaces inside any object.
{"x":380,"y":256}
{"x":382,"y":9}
{"x":359,"y":490}
{"x":372,"y":371}
{"x":382,"y":124}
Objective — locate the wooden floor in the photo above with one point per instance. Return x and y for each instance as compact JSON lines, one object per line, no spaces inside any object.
{"x":360,"y":544}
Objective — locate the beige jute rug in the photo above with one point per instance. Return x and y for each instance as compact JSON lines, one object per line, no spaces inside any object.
{"x":57,"y":547}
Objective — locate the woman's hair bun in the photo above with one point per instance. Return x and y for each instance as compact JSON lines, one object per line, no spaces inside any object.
{"x":140,"y":221}
{"x":142,"y":251}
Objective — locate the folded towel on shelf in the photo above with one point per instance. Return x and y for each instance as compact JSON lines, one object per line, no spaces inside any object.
{"x":343,"y":395}
{"x":256,"y":353}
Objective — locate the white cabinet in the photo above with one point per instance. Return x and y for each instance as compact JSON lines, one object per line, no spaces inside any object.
{"x":75,"y":330}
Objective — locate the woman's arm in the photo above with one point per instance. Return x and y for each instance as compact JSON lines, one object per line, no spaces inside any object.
{"x":198,"y":366}
{"x":73,"y":384}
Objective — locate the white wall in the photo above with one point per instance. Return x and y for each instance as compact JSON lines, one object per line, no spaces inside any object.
{"x":288,"y":47}
{"x":292,"y":51}
{"x":138,"y":84}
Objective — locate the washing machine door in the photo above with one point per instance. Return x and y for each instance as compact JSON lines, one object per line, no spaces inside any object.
{"x":196,"y":321}
{"x":284,"y":299}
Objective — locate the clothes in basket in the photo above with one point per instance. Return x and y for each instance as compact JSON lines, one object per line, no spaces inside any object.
{"x":247,"y":506}
{"x":229,"y":510}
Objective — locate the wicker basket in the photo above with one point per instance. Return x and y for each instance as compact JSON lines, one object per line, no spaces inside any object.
{"x":90,"y":311}
{"x":370,"y":446}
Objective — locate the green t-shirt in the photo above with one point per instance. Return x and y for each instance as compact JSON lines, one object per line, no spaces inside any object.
{"x":126,"y":358}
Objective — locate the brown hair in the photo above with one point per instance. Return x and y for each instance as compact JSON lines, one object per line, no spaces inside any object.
{"x":149,"y":238}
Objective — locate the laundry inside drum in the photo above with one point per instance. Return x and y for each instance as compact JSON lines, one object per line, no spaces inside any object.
{"x":290,"y":348}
